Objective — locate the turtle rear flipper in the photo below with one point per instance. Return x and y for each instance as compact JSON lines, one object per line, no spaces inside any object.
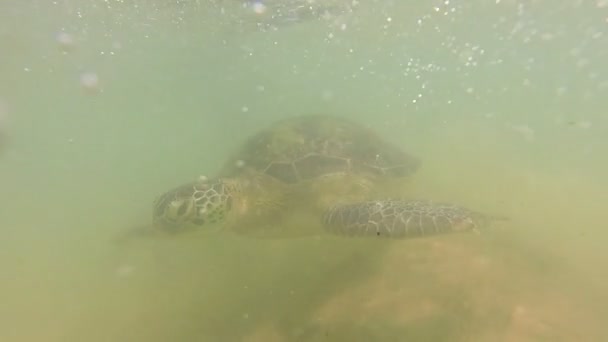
{"x":402,"y":219}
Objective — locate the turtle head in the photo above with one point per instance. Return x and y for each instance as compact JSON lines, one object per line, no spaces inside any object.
{"x":202,"y":203}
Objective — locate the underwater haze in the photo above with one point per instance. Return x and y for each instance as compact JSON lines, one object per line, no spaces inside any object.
{"x":106,"y":104}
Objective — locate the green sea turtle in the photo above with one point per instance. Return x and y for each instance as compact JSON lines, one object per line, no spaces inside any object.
{"x":309,"y":174}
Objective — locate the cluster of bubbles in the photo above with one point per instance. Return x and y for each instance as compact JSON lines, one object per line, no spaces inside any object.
{"x":517,"y":36}
{"x":274,"y":14}
{"x":521,"y":39}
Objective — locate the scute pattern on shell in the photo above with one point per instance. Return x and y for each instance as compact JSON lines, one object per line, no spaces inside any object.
{"x":308,"y":147}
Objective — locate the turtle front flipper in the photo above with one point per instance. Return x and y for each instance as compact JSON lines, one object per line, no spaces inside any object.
{"x":402,"y":219}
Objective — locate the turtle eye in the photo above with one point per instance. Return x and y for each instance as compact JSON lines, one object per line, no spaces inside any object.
{"x":182,"y":209}
{"x":178,"y":209}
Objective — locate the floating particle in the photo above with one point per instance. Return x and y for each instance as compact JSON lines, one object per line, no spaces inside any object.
{"x":2,"y":124}
{"x":240,"y":163}
{"x":89,"y":81}
{"x":258,"y":7}
{"x":327,"y":95}
{"x":580,"y":124}
{"x":520,"y":310}
{"x":65,"y":41}
{"x":125,"y":270}
{"x":584,"y":124}
{"x":526,"y":131}
{"x":3,"y":113}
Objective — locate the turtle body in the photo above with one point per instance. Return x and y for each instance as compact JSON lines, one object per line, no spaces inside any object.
{"x":305,"y":173}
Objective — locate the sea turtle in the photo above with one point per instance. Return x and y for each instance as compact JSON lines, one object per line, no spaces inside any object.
{"x":309,"y":172}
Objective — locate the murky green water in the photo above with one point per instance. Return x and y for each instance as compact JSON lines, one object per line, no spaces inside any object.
{"x":504,"y":101}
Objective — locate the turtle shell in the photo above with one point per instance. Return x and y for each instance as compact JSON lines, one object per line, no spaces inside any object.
{"x":308,"y":147}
